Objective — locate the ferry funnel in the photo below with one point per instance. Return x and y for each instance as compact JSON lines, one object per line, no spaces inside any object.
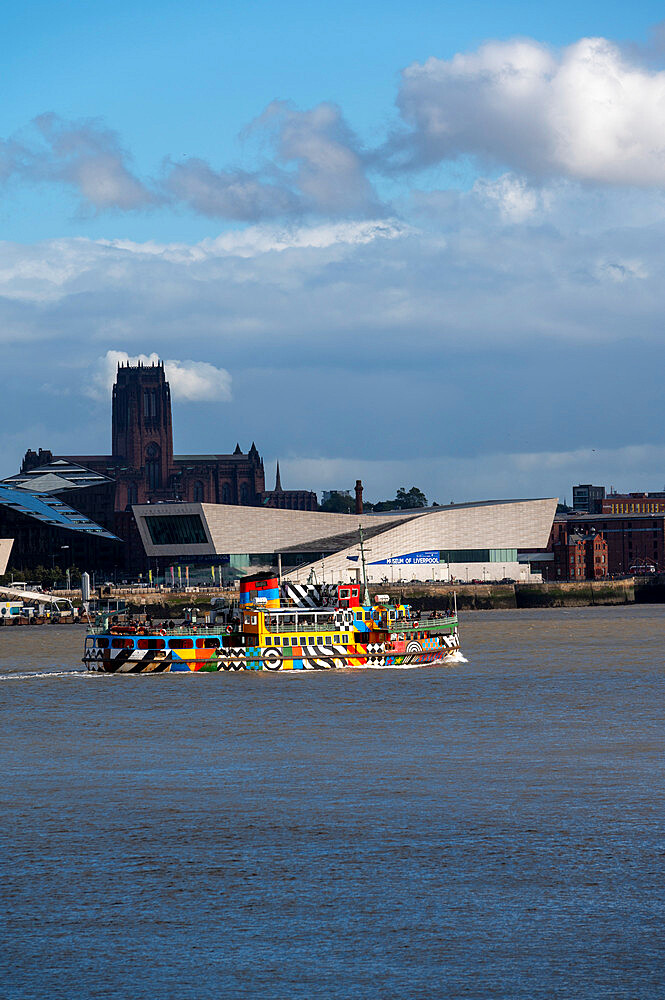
{"x":261,"y":590}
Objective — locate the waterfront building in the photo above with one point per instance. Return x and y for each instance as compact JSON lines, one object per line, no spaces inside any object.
{"x":581,"y":556}
{"x":489,"y":540}
{"x":5,"y":550}
{"x":635,"y":542}
{"x":48,"y":532}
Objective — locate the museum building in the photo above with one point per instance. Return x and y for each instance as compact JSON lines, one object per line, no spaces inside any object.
{"x":484,"y":541}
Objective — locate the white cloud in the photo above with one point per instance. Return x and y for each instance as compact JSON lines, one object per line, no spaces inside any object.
{"x":515,"y":199}
{"x":252,"y":241}
{"x":586,"y":112}
{"x":190,"y":381}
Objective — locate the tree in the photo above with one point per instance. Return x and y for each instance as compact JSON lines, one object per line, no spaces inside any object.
{"x":414,"y":498}
{"x":338,"y":503}
{"x":404,"y":500}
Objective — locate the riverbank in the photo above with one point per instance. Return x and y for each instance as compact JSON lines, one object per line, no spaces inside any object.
{"x":426,"y":596}
{"x":511,"y":596}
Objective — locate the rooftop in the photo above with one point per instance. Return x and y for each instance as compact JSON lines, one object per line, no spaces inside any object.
{"x":49,"y":510}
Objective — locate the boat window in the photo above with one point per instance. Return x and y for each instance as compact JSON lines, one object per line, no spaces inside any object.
{"x":268,"y":640}
{"x":209,"y":643}
{"x":302,"y":641}
{"x":102,"y":644}
{"x":312,"y":640}
{"x":287,"y":642}
{"x":121,"y":643}
{"x":151,"y":644}
{"x":181,"y":643}
{"x":337,"y":639}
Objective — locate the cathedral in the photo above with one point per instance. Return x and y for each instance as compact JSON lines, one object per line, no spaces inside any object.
{"x":142,"y":467}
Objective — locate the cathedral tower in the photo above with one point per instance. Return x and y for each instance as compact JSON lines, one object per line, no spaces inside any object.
{"x":141,"y":431}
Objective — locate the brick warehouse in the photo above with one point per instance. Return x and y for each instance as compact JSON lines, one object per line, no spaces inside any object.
{"x":142,"y":467}
{"x":635,"y":542}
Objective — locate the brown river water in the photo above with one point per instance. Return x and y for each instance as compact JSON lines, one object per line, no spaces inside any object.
{"x":493,"y":828}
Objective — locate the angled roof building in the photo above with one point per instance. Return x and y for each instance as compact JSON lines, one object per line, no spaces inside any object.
{"x":46,"y":531}
{"x":462,"y":541}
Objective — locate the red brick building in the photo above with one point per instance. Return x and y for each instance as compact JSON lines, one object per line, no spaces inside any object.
{"x":635,"y":543}
{"x":581,"y":557}
{"x":634,"y":503}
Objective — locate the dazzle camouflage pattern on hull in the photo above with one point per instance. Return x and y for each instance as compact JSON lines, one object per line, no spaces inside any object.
{"x":294,"y":630}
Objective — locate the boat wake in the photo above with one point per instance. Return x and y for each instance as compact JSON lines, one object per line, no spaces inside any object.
{"x":44,"y":675}
{"x":445,"y":661}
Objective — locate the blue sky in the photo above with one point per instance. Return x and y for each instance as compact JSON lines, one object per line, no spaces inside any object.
{"x":411,"y":245}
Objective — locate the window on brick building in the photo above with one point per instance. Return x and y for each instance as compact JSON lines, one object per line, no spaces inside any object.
{"x":153,"y":473}
{"x":198,"y":491}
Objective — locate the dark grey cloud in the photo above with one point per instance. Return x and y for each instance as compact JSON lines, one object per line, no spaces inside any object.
{"x":230,"y":194}
{"x":498,"y":322}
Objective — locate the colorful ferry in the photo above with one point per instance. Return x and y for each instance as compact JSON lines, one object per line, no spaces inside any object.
{"x":297,"y":627}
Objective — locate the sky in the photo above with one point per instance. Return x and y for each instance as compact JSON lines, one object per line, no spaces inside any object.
{"x":415,"y":245}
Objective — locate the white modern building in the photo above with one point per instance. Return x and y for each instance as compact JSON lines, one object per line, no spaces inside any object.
{"x":5,"y":551}
{"x":488,"y":540}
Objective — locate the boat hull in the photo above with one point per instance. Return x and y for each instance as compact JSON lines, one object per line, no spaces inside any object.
{"x":101,"y":656}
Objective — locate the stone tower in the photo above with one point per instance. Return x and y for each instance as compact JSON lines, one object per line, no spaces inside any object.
{"x":141,"y":430}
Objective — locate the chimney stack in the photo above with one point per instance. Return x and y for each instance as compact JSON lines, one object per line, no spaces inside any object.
{"x":359,"y":496}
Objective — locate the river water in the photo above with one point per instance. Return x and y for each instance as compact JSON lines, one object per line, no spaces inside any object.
{"x":490,"y":829}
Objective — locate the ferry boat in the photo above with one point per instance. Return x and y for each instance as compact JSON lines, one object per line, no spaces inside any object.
{"x":297,"y":627}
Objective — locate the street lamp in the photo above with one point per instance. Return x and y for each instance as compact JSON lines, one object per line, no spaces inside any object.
{"x":62,"y":549}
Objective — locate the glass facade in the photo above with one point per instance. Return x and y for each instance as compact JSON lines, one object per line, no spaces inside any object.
{"x":181,"y":529}
{"x":478,"y":555}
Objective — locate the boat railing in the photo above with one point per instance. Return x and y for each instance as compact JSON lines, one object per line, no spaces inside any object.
{"x":141,"y":632}
{"x":277,"y":626}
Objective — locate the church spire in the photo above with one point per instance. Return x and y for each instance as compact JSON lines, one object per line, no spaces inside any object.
{"x":278,"y":481}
